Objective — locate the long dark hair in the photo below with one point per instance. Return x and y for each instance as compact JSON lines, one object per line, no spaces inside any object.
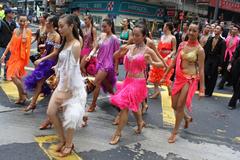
{"x":91,"y":19}
{"x":143,"y":24}
{"x":129,"y":24}
{"x":170,"y":26}
{"x":45,"y":15}
{"x":110,"y":23}
{"x":71,"y":20}
{"x":54,"y":21}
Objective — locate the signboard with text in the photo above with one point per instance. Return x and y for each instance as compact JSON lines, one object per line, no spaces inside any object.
{"x":230,"y":5}
{"x":144,"y":10}
{"x":116,"y":7}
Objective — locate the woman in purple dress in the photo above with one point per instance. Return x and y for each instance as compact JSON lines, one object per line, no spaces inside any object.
{"x":108,"y":43}
{"x":35,"y":81}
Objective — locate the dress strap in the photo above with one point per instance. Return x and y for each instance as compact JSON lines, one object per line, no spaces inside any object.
{"x":72,"y":53}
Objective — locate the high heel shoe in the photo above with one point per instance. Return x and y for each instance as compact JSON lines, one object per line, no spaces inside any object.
{"x":187,"y":122}
{"x":30,"y":107}
{"x":92,"y":108}
{"x":115,"y":139}
{"x":139,"y":129}
{"x":172,"y":138}
{"x":155,"y":95}
{"x":66,"y":151}
{"x":85,"y":120}
{"x":45,"y":125}
{"x":60,"y":146}
{"x":20,"y":101}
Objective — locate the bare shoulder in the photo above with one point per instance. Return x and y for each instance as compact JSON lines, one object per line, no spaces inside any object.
{"x":115,"y":37}
{"x":76,"y":45}
{"x":173,"y":38}
{"x":16,"y":30}
{"x":102,"y":35}
{"x":149,"y":41}
{"x":94,"y":29}
{"x":200,"y":50}
{"x":149,"y":50}
{"x":57,"y":37}
{"x":130,"y":46}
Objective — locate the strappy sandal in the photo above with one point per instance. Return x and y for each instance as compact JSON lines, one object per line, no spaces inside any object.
{"x":172,"y":138}
{"x":92,"y":108}
{"x":69,"y":151}
{"x":139,"y":129}
{"x":21,"y":102}
{"x":115,"y":139}
{"x":60,"y":146}
{"x":30,"y":107}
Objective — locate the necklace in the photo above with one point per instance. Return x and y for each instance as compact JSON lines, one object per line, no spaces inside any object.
{"x":191,"y":43}
{"x":137,"y":46}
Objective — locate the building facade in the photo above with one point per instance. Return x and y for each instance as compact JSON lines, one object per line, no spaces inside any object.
{"x":229,"y":10}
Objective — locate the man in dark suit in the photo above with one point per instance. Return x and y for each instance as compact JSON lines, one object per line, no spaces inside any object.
{"x":234,"y":66}
{"x":214,"y":50}
{"x":7,"y":26}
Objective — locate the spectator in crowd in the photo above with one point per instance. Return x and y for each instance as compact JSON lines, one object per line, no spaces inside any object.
{"x":7,"y":25}
{"x":76,"y":11}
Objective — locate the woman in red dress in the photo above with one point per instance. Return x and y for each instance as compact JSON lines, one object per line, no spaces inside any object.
{"x":189,"y":71}
{"x":167,"y":49}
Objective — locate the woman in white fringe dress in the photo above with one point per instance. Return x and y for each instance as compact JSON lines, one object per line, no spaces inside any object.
{"x":70,"y":94}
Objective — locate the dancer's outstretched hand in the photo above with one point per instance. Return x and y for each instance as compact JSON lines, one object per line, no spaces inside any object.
{"x":88,"y":58}
{"x":3,"y":58}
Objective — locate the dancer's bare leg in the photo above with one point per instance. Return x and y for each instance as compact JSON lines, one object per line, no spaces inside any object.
{"x":140,"y":122}
{"x":52,"y":113}
{"x":101,"y":75}
{"x":156,"y":91}
{"x":122,"y":122}
{"x":181,"y":101}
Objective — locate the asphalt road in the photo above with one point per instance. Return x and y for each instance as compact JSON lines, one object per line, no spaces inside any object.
{"x":213,"y":135}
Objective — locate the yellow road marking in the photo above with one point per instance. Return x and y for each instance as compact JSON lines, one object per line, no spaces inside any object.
{"x":237,"y":139}
{"x":48,"y":145}
{"x":167,"y":111}
{"x":216,"y":94}
{"x":11,"y":90}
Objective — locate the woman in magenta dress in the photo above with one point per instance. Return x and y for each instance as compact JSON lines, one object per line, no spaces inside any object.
{"x":133,"y":91}
{"x":108,"y":43}
{"x":89,"y":37}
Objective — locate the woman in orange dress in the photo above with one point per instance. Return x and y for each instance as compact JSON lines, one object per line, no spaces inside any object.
{"x":167,"y":49}
{"x":19,"y":46}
